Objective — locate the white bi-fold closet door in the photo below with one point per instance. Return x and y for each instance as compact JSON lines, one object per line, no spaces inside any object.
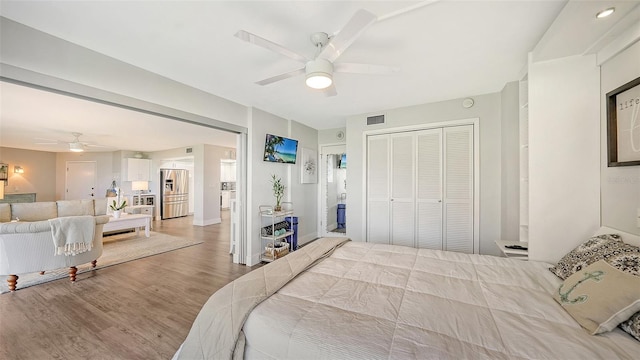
{"x":420,"y":188}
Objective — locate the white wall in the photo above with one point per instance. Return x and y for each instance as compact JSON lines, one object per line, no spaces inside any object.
{"x":329,"y":136}
{"x":39,"y":173}
{"x":564,"y":174}
{"x":486,"y":108}
{"x":303,"y":196}
{"x":510,"y":149}
{"x":620,"y":185}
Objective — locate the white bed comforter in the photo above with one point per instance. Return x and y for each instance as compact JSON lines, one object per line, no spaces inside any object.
{"x":372,"y":301}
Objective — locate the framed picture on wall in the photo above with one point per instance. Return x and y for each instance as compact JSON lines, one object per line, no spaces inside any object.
{"x":309,"y":163}
{"x":623,"y":125}
{"x":4,"y":173}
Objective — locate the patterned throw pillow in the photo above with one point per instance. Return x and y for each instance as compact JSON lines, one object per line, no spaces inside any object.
{"x":612,"y":249}
{"x":632,"y":326}
{"x":600,"y":296}
{"x":595,"y":249}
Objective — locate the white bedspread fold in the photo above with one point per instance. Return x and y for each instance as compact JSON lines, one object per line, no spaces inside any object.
{"x":72,"y":234}
{"x":217,"y":331}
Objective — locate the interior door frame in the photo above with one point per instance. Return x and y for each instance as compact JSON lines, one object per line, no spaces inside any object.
{"x":441,"y":124}
{"x":322,"y":204}
{"x":40,"y":81}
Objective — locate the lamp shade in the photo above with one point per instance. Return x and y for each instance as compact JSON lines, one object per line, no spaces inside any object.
{"x":1,"y":189}
{"x":139,"y":185}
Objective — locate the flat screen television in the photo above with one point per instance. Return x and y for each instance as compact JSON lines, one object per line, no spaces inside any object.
{"x":280,"y":149}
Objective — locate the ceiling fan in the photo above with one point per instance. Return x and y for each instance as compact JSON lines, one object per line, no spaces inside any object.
{"x":75,"y":146}
{"x":319,"y":70}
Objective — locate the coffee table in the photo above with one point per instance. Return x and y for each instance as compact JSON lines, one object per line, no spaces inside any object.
{"x":128,"y":221}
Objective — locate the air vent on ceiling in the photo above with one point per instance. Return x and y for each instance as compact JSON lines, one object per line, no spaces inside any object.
{"x":189,"y":150}
{"x":377,"y":119}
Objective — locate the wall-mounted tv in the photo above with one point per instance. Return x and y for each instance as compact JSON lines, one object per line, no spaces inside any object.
{"x":280,"y":149}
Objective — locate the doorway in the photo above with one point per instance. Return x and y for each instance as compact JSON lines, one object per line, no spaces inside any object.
{"x":333,"y":184}
{"x":80,"y":180}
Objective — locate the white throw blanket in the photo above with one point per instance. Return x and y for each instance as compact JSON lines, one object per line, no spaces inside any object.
{"x":73,"y":234}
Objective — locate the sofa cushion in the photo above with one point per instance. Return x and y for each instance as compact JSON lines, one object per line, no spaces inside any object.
{"x":36,"y":211}
{"x":5,"y":212}
{"x":100,"y":206}
{"x":75,"y":207}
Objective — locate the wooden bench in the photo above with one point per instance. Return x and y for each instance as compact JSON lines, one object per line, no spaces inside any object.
{"x":129,"y":221}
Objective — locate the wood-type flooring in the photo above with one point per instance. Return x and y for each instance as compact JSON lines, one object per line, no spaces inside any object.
{"x":142,"y":309}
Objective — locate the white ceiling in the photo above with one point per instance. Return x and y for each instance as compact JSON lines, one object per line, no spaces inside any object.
{"x":30,"y":116}
{"x":445,"y":50}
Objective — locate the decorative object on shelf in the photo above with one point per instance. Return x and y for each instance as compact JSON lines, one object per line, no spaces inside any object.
{"x":309,"y":166}
{"x":623,"y":115}
{"x":269,"y":229}
{"x":278,"y":191}
{"x":275,"y":252}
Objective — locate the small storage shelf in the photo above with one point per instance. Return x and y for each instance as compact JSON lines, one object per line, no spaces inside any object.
{"x":520,"y":254}
{"x":272,"y":223}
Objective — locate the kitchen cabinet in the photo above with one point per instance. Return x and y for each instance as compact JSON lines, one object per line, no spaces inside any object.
{"x":228,"y":171}
{"x":226,"y":196}
{"x":137,"y":169}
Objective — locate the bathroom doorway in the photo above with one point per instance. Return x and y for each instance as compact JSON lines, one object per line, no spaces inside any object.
{"x":334,"y":190}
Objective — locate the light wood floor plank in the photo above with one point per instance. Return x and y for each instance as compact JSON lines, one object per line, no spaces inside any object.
{"x":142,"y":309}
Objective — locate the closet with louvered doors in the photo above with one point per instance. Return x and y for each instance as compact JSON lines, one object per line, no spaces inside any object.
{"x":420,"y":188}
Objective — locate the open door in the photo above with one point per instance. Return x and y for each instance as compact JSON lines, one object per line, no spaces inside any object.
{"x":333,"y":185}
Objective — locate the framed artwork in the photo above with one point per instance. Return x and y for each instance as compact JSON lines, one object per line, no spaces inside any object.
{"x":4,"y":173}
{"x":309,"y":166}
{"x":623,"y":125}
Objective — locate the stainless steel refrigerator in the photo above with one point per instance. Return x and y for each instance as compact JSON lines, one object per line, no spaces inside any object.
{"x":174,"y":193}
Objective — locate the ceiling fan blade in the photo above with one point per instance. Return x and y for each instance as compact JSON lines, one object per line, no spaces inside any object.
{"x":330,"y":91}
{"x":360,"y":21}
{"x":45,"y":139}
{"x":281,"y":77}
{"x":365,"y":69}
{"x":48,"y":143}
{"x":269,"y":45}
{"x":94,"y":145}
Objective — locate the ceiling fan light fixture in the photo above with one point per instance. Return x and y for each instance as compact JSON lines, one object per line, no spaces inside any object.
{"x":76,"y":147}
{"x":605,"y":13}
{"x":319,"y":74}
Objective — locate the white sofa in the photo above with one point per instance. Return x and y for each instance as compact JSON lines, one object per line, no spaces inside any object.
{"x":26,"y":244}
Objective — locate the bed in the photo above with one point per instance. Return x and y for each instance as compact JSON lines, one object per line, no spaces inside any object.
{"x":342,"y":299}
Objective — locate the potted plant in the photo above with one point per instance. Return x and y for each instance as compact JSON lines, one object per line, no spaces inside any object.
{"x":118,"y":207}
{"x":278,"y":191}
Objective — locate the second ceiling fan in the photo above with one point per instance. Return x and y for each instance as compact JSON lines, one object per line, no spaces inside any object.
{"x":319,"y":70}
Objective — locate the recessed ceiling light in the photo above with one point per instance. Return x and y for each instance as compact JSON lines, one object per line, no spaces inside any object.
{"x":605,"y":13}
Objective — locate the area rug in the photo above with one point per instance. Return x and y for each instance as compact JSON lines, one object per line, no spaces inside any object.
{"x":118,"y":249}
